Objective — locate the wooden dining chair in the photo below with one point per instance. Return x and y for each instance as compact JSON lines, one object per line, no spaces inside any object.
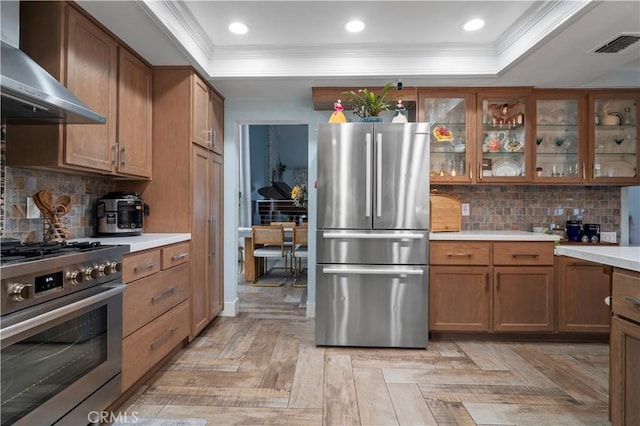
{"x":268,"y":242}
{"x":300,"y":251}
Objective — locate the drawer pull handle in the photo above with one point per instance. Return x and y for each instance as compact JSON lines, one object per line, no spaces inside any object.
{"x":164,"y":338}
{"x":179,"y":256}
{"x":632,"y":300}
{"x":162,"y":295}
{"x":459,"y":254}
{"x":524,"y":255}
{"x":144,"y":267}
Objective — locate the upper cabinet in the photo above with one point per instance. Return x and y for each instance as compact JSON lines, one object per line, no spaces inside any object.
{"x":560,"y":137}
{"x":451,"y":114}
{"x":103,"y":74}
{"x":532,"y":136}
{"x":613,"y":138}
{"x":207,"y":119}
{"x":501,"y":135}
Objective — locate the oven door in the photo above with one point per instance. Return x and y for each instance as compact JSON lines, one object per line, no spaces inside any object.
{"x":63,"y":359}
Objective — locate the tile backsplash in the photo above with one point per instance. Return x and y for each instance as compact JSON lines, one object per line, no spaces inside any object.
{"x":521,"y":207}
{"x":17,"y":184}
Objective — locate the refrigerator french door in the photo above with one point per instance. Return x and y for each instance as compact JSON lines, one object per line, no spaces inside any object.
{"x":372,"y":241}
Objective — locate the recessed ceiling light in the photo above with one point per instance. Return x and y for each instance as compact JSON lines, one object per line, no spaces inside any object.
{"x":354,"y":26}
{"x":473,"y":25}
{"x":238,"y":28}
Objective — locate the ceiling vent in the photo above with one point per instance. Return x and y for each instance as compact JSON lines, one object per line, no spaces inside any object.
{"x":618,"y":44}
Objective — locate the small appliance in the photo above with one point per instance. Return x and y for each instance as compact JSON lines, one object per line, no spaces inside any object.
{"x":120,"y":214}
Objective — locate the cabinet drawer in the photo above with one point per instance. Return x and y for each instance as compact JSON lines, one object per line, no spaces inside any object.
{"x":523,"y":253}
{"x":175,"y":255}
{"x":625,"y":300}
{"x":459,"y":253}
{"x":150,"y":297}
{"x":139,"y":265}
{"x":147,"y":346}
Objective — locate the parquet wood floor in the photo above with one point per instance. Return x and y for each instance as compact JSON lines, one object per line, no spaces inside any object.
{"x":262,"y":367}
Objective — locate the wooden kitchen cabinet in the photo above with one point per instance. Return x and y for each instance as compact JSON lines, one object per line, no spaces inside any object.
{"x":625,"y":348}
{"x":155,"y":307}
{"x":491,"y":286}
{"x":560,"y":148}
{"x":207,"y":119}
{"x":190,"y":197}
{"x":459,"y":286}
{"x":101,"y":72}
{"x":582,"y":287}
{"x":459,"y":298}
{"x":614,"y":137}
{"x":452,"y":159}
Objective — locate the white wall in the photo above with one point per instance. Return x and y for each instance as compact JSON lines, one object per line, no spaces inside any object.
{"x":633,"y":209}
{"x":263,"y":111}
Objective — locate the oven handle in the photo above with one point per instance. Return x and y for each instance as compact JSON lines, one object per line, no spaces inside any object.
{"x":30,"y":323}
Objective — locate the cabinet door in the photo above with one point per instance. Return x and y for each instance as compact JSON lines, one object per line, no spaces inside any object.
{"x":216,"y":120}
{"x":523,"y":299}
{"x":582,"y":288}
{"x":448,"y":311}
{"x":200,"y":237}
{"x":134,"y":112}
{"x":614,"y":137}
{"x":451,"y":114}
{"x":560,"y":143}
{"x":92,"y":67}
{"x":501,"y":136}
{"x":217,"y":254}
{"x":625,"y":372}
{"x":200,"y":130}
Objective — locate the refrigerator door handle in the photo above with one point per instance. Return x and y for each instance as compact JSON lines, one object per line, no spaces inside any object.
{"x":379,"y":175}
{"x":370,"y":271}
{"x":367,"y":189}
{"x":374,"y":235}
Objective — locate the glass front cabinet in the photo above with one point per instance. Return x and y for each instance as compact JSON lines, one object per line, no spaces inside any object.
{"x":560,"y":145}
{"x":501,"y":136}
{"x":451,"y":114}
{"x":613,"y":141}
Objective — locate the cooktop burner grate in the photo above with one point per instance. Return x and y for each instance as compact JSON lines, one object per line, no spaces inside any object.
{"x":14,"y":253}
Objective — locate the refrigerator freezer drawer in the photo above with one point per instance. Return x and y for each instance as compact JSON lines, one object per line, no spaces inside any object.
{"x":373,"y":247}
{"x":376,"y":306}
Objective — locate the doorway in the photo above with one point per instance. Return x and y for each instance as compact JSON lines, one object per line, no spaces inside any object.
{"x":274,"y":152}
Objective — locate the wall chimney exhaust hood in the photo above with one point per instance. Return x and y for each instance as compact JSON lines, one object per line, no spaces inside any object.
{"x":30,"y":94}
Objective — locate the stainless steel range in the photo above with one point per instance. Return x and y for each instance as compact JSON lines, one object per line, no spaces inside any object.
{"x":60,"y":331}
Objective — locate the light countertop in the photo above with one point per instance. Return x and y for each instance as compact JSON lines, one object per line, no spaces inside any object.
{"x":141,"y":242}
{"x":492,"y":236}
{"x":627,"y":257}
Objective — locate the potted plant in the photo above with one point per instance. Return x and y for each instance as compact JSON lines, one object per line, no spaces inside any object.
{"x":367,"y":105}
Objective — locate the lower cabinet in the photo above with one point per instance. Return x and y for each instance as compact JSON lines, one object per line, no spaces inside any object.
{"x":491,"y":286}
{"x":625,"y":348}
{"x":582,"y":287}
{"x":155,"y":307}
{"x":459,"y":298}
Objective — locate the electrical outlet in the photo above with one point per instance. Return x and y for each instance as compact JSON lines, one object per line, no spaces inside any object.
{"x":465,"y":209}
{"x":32,"y":210}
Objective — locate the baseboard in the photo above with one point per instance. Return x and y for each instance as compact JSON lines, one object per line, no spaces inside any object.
{"x":231,"y":309}
{"x":311,"y":310}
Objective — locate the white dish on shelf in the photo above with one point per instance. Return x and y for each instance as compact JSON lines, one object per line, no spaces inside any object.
{"x":617,"y":169}
{"x":506,"y":168}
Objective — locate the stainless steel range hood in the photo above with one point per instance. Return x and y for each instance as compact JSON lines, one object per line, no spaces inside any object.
{"x":29,"y":93}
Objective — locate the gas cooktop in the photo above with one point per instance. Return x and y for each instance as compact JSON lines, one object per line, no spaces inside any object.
{"x":16,"y":252}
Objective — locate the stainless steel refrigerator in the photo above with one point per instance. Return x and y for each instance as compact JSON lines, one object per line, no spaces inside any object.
{"x":372,"y":236}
